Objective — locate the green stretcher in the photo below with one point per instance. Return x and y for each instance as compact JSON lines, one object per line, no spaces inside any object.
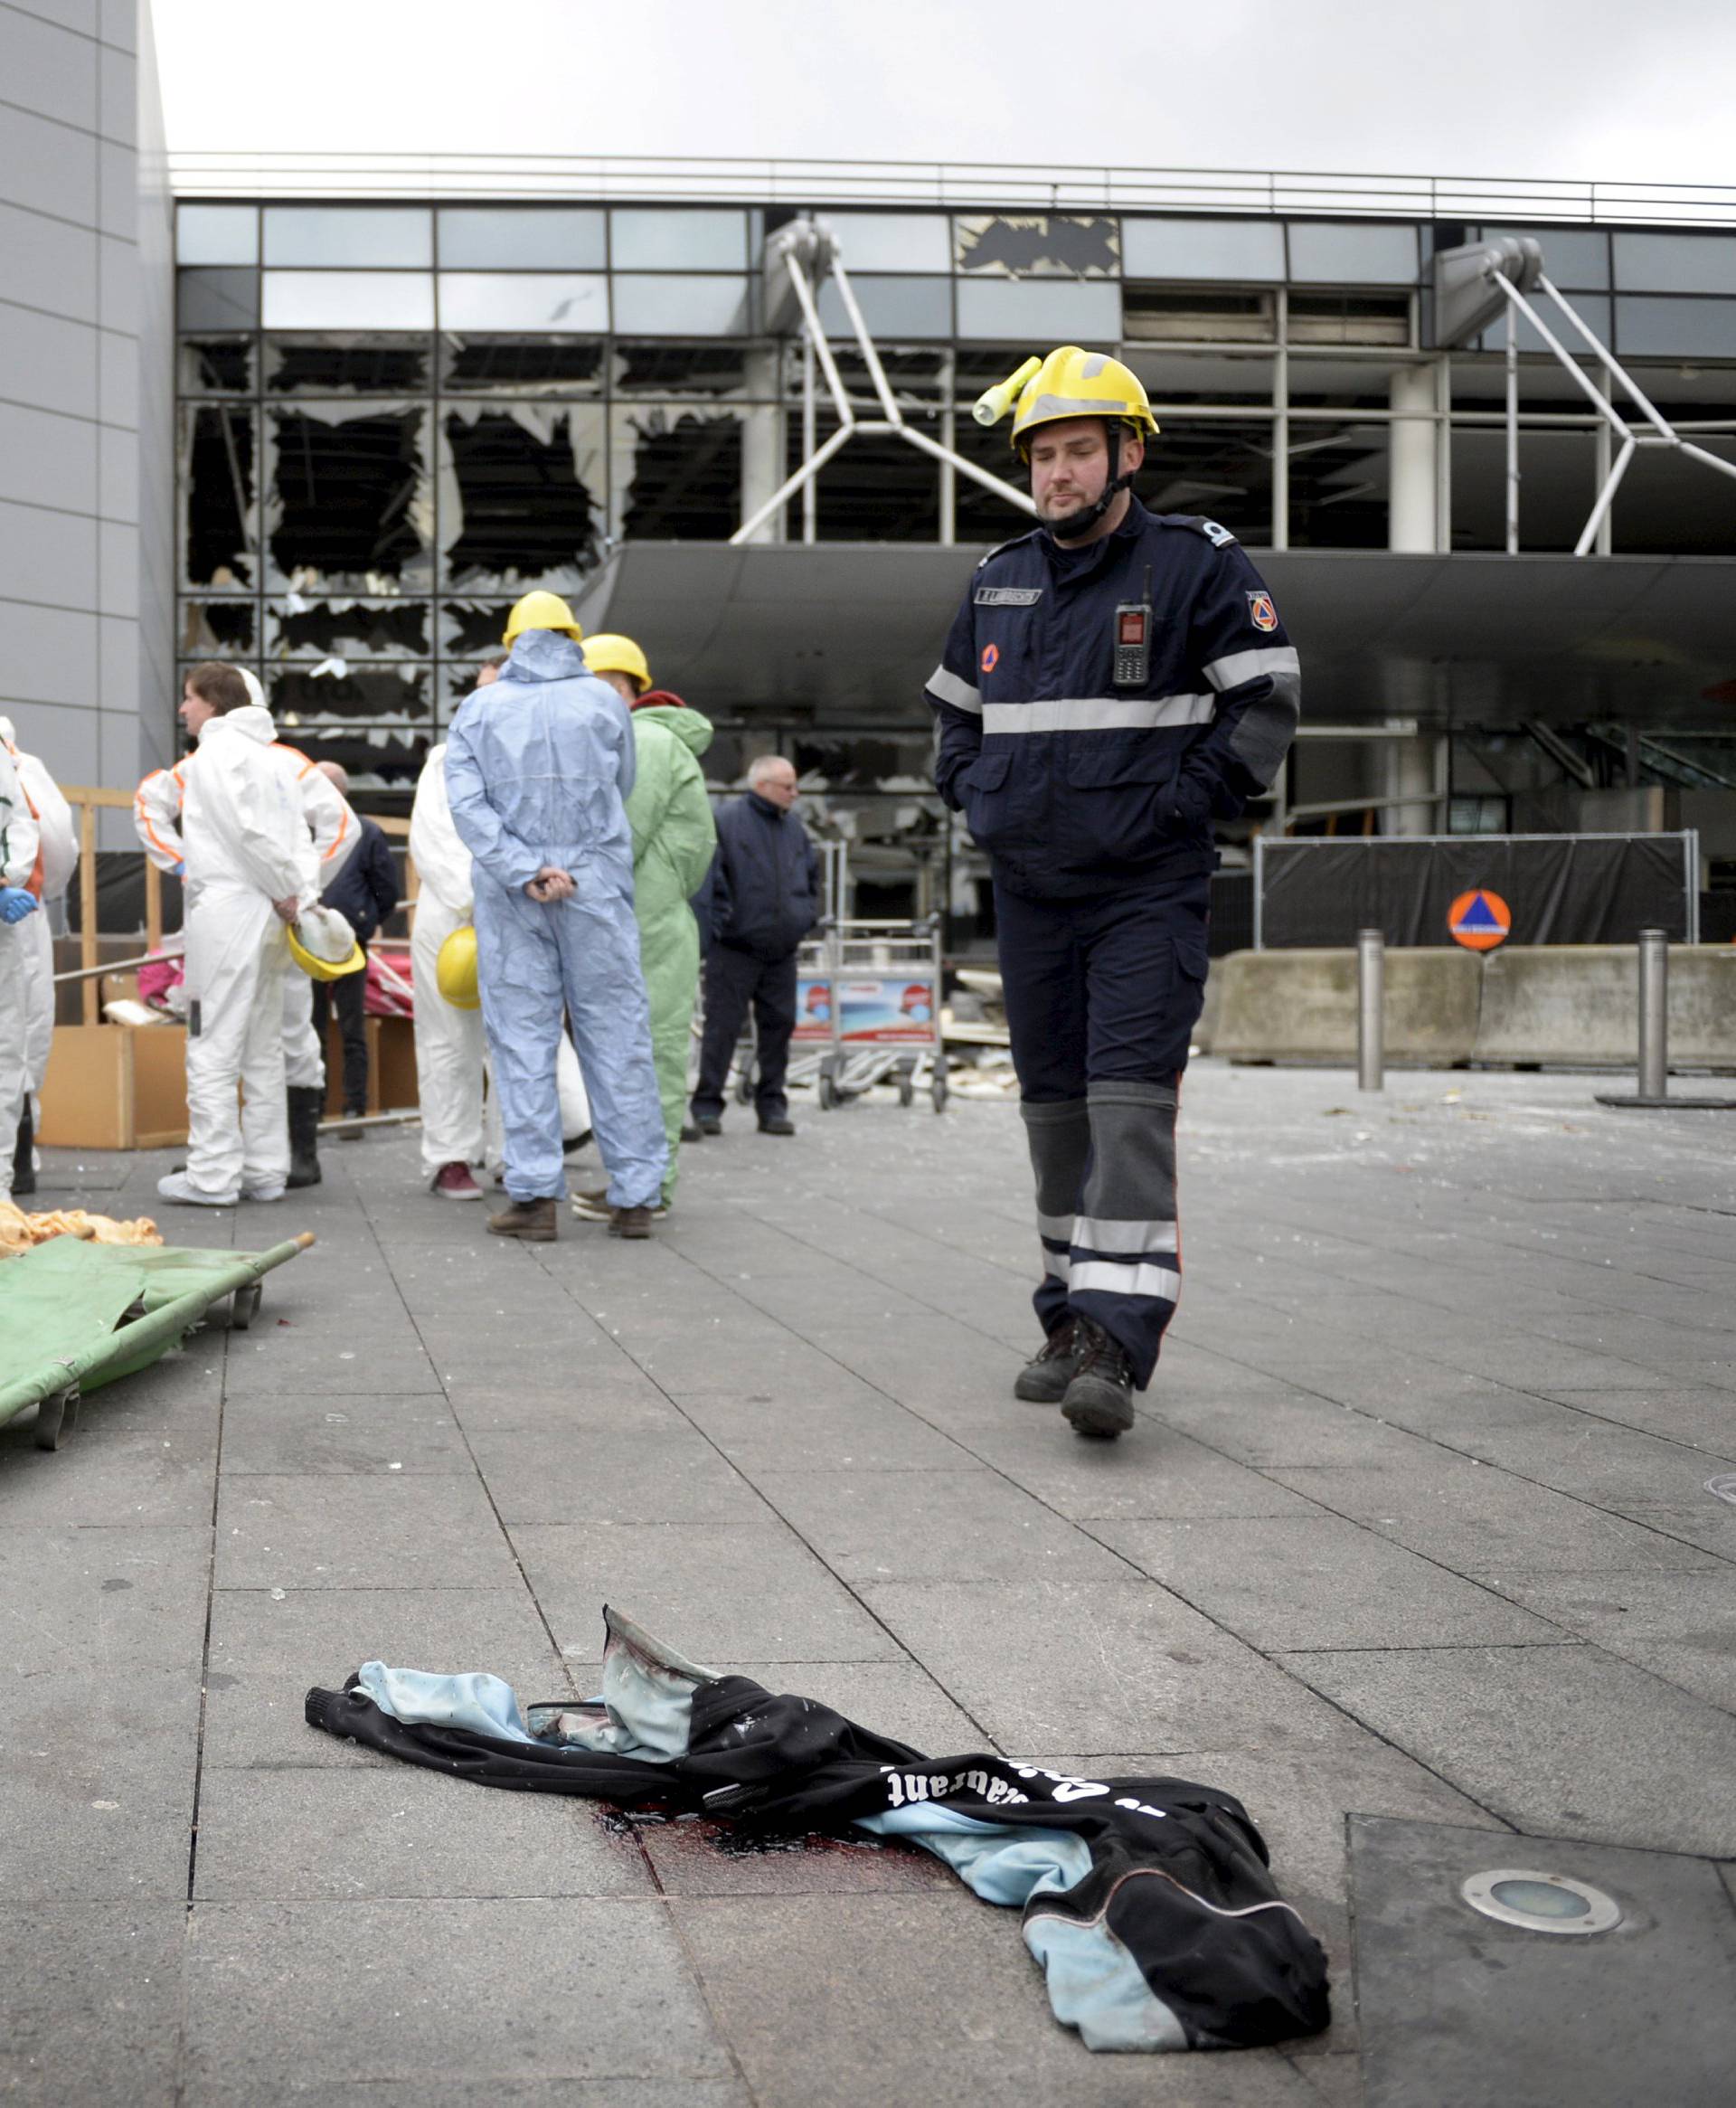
{"x":75,"y":1316}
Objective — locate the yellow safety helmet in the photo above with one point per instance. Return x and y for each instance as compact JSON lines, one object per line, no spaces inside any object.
{"x":540,"y":610}
{"x":455,"y":970}
{"x":324,"y":946}
{"x":1070,"y":382}
{"x":609,"y":654}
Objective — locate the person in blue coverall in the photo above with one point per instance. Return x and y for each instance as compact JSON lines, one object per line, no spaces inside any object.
{"x":538,"y":767}
{"x":1113,"y":682}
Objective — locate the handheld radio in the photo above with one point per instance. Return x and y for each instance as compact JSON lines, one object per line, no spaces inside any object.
{"x":1133,"y":640}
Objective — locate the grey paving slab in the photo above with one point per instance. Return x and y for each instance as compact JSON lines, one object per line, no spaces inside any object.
{"x":124,"y":1477}
{"x":1681,"y":1626}
{"x":850,"y":1428}
{"x":972,"y":2017}
{"x":1559,"y":1740}
{"x":97,"y":1601}
{"x":1153,"y":1471}
{"x":934,"y":1525}
{"x":612,"y":1475}
{"x":1705,"y":1416}
{"x":523,"y":1988}
{"x":386,"y":1530}
{"x":1121,"y":1665}
{"x":92,"y":2001}
{"x":341,"y":1434}
{"x":1290,"y":1581}
{"x":721,"y":1592}
{"x":380,"y":1831}
{"x":266,"y":1653}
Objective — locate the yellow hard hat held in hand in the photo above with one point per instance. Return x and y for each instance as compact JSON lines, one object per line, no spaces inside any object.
{"x":324,"y":946}
{"x":540,"y":610}
{"x":609,"y":654}
{"x":455,"y":970}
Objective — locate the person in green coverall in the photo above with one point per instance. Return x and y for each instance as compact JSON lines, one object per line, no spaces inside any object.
{"x":674,"y":841}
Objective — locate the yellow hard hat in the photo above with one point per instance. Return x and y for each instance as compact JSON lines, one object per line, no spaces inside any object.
{"x":540,"y":610}
{"x":318,"y":946}
{"x":617,"y":655}
{"x":455,"y":971}
{"x":1071,"y":383}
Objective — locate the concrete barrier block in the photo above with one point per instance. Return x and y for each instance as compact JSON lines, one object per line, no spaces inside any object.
{"x":1205,"y":1032}
{"x":1577,"y":1006}
{"x":1300,"y":1005}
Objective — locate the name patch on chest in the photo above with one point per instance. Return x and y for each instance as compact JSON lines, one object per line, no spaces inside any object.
{"x":1008,"y":596}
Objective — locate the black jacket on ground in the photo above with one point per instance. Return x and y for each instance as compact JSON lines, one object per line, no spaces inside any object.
{"x":365,"y":892}
{"x":765,"y":879}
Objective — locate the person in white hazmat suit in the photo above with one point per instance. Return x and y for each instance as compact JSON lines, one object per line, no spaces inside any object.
{"x":20,"y":846}
{"x":57,"y":860}
{"x":458,"y":1130}
{"x":156,"y":816}
{"x":538,"y":767}
{"x":251,"y":871}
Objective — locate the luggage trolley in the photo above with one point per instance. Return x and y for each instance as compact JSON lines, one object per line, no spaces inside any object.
{"x":871,"y":992}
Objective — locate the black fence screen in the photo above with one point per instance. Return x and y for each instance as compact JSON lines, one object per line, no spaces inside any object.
{"x":1547,"y":889}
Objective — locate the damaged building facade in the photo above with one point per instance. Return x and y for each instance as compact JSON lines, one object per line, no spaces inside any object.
{"x":394,"y":417}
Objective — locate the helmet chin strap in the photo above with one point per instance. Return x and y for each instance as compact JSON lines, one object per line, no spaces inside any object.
{"x":1076,"y":526}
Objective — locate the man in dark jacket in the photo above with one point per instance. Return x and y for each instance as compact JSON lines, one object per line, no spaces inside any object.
{"x":764,"y":899}
{"x":364,"y":892}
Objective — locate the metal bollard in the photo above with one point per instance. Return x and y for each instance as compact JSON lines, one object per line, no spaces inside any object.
{"x":1653,"y":1014}
{"x":1371,"y":1009}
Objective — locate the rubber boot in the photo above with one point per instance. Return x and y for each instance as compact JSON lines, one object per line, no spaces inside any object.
{"x":23,"y":1171}
{"x":305,"y":1105}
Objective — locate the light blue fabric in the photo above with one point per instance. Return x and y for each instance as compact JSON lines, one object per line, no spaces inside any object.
{"x":538,"y":765}
{"x":481,"y":1703}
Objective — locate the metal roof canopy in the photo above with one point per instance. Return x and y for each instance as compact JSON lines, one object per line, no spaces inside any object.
{"x":848,"y":632}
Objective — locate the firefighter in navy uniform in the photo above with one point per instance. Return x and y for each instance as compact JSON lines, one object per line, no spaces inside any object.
{"x":1113,"y":683}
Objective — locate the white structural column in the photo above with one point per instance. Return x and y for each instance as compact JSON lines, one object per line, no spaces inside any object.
{"x":763,"y":465}
{"x":1411,"y":522}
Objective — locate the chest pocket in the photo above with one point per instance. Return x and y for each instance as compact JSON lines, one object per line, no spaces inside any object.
{"x":1107,"y":760}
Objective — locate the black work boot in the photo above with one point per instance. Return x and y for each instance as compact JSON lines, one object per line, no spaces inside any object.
{"x":305,"y":1105}
{"x":23,"y":1169}
{"x":1044,"y":1380}
{"x":532,"y":1221}
{"x":1099,"y":1399}
{"x":630,"y":1221}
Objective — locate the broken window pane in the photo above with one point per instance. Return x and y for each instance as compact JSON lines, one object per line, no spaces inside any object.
{"x":677,"y":472}
{"x":918,"y":377}
{"x":351,"y":502}
{"x":522,"y":495}
{"x":219,"y":532}
{"x":524,"y":237}
{"x":218,"y":628}
{"x":357,"y":363}
{"x":395,"y":695}
{"x":681,"y":307}
{"x":666,"y":368}
{"x":524,"y":300}
{"x":521,"y":365}
{"x":348,"y":629}
{"x":876,"y":488}
{"x":1217,"y":467}
{"x":217,"y":299}
{"x":460,"y":686}
{"x":375,"y":757}
{"x":1338,"y":486}
{"x":1050,"y":245}
{"x":471,"y":628}
{"x":217,"y":365}
{"x":981,"y":514}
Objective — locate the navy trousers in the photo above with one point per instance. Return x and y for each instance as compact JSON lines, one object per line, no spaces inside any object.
{"x":733,"y":979}
{"x":1102,"y":997}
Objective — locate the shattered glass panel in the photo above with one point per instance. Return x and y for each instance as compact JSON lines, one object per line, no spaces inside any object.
{"x":350,"y":502}
{"x":219,"y":527}
{"x":678,"y":472}
{"x":681,"y":307}
{"x":217,"y":365}
{"x":1050,"y":245}
{"x":524,"y":300}
{"x":978,"y":366}
{"x":1338,"y":486}
{"x":375,"y":757}
{"x":341,"y":364}
{"x":349,"y":235}
{"x":725,"y":760}
{"x":348,"y":299}
{"x":917,"y":376}
{"x":524,"y":237}
{"x":666,"y":368}
{"x":878,"y":488}
{"x":519,"y":366}
{"x":522,"y":495}
{"x":1219,"y":466}
{"x":217,"y":234}
{"x":979,"y":515}
{"x":218,"y":628}
{"x":217,"y":299}
{"x":471,"y":628}
{"x":879,"y":761}
{"x":398,"y":695}
{"x":347,"y":629}
{"x":659,"y":237}
{"x":1207,"y":377}
{"x":461,"y":681}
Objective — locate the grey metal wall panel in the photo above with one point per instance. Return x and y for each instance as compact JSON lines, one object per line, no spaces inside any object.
{"x":1329,"y":252}
{"x":56,"y":67}
{"x":1675,"y":263}
{"x":46,"y":363}
{"x":118,"y":96}
{"x":48,"y":167}
{"x":1666,"y":329}
{"x":1230,"y":252}
{"x":49,"y":556}
{"x":47,"y":264}
{"x":48,"y":460}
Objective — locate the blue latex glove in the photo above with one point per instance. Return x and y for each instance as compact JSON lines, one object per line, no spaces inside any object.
{"x":15,"y":903}
{"x":180,"y":870}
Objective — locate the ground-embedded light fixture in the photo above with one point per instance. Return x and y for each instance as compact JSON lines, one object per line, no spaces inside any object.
{"x":1539,"y":1903}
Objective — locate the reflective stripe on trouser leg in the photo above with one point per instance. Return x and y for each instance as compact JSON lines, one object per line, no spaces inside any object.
{"x":1060,"y":1140}
{"x":1125,"y":1264}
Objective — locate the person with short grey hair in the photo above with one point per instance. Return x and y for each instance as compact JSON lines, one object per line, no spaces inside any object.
{"x":764,"y":899}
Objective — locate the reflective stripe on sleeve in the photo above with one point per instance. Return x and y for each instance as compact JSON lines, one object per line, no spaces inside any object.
{"x":1249,"y":665}
{"x":949,"y":688}
{"x":1098,"y":713}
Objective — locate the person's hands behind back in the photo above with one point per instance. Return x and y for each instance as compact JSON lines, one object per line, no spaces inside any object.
{"x":15,"y":903}
{"x":549,"y":885}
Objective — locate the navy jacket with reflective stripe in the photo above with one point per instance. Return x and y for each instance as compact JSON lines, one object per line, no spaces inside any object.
{"x":1066,"y":780}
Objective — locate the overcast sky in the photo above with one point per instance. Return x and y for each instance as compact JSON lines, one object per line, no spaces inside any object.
{"x":1611,"y":89}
